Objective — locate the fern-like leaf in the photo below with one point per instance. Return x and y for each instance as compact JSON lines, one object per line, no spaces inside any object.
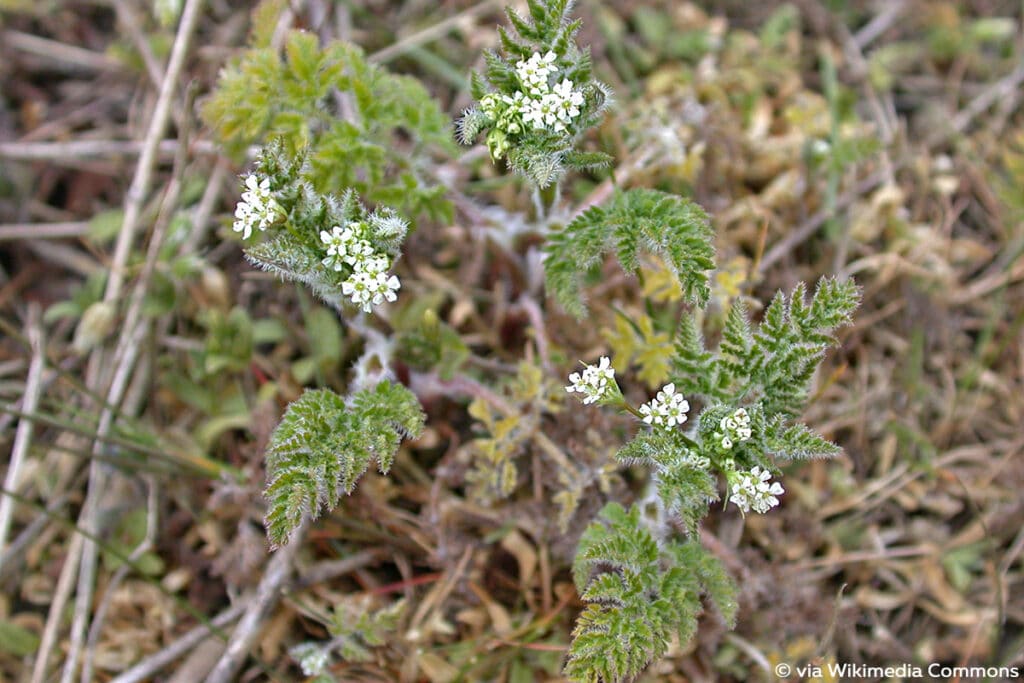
{"x":798,"y":442}
{"x":791,"y":340}
{"x":694,"y":371}
{"x":632,"y":221}
{"x":322,"y":446}
{"x":395,"y":122}
{"x":642,"y":593}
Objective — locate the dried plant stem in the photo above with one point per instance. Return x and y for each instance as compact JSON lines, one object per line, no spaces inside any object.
{"x":141,"y":549}
{"x":144,"y":171}
{"x":75,"y":150}
{"x":71,"y":57}
{"x":267,"y":594}
{"x":100,"y":366}
{"x":21,"y":231}
{"x":61,"y":595}
{"x":317,"y":573}
{"x":23,"y":437}
{"x":145,"y":669}
{"x":430,"y":33}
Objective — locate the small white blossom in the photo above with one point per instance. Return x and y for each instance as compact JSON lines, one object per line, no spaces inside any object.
{"x":369,"y":285}
{"x":258,"y":209}
{"x":533,"y":73}
{"x":311,"y":657}
{"x":750,"y":490}
{"x":568,"y":101}
{"x":594,"y":382}
{"x":733,"y":428}
{"x":517,"y":102}
{"x":345,"y":245}
{"x":667,"y":409}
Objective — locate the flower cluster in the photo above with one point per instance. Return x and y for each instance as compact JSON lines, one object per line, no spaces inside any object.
{"x":369,"y":284}
{"x":312,"y":658}
{"x":257,"y":209}
{"x":750,"y":490}
{"x":733,"y":429}
{"x":667,"y":409}
{"x":533,"y":72}
{"x":538,"y":105}
{"x":595,"y":381}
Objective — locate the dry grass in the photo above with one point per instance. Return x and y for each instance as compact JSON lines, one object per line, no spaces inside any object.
{"x":908,"y":549}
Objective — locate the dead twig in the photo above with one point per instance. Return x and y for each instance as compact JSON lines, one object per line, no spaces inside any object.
{"x":69,"y":57}
{"x":267,"y":594}
{"x":431,"y":33}
{"x":127,"y":352}
{"x":23,"y":437}
{"x":74,"y":150}
{"x":145,"y":669}
{"x":48,"y":231}
{"x":315,"y":574}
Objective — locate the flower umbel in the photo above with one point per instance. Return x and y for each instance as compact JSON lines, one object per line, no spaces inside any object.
{"x":667,"y":409}
{"x":257,"y":209}
{"x":312,"y":658}
{"x":345,"y":245}
{"x":595,"y":381}
{"x":537,"y":106}
{"x":733,"y":429}
{"x":369,"y":285}
{"x":750,"y":490}
{"x":533,"y":72}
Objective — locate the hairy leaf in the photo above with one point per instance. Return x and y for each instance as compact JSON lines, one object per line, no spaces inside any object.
{"x":322,"y":446}
{"x":632,"y":221}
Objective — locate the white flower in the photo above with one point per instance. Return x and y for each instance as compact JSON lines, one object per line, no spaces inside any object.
{"x":311,"y":657}
{"x":518,"y":101}
{"x":369,"y":285}
{"x":734,"y":428}
{"x":667,"y":409}
{"x":750,"y":490}
{"x":543,"y":112}
{"x":595,"y":381}
{"x":345,"y":245}
{"x":533,"y":73}
{"x":257,"y":209}
{"x":568,"y":101}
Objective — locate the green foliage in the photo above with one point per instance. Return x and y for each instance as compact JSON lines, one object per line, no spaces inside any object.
{"x":356,"y":631}
{"x":796,"y":442}
{"x":639,"y":593}
{"x":323,"y":446}
{"x":295,"y":249}
{"x":360,"y":126}
{"x":540,"y":151}
{"x":632,"y":221}
{"x":685,"y":486}
{"x":752,"y":385}
{"x":772,"y":363}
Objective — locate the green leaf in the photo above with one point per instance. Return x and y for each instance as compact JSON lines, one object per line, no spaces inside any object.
{"x":639,"y":592}
{"x":632,"y":221}
{"x":105,"y":226}
{"x":799,"y":442}
{"x":323,"y":446}
{"x":325,"y":341}
{"x":17,"y":640}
